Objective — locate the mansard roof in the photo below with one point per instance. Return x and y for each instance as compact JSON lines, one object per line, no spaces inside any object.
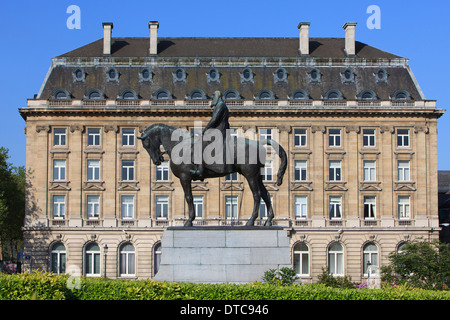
{"x":230,"y":57}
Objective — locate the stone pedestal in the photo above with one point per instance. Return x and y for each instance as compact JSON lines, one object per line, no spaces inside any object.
{"x":222,"y":254}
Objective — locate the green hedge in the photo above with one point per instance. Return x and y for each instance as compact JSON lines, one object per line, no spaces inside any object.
{"x":46,"y":286}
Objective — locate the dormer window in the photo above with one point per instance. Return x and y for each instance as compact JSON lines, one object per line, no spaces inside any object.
{"x":299,"y":94}
{"x":61,"y":94}
{"x":145,"y":75}
{"x":112,"y":75}
{"x":231,"y":94}
{"x":381,"y":76}
{"x":179,"y":75}
{"x":197,"y":94}
{"x":401,"y":95}
{"x":333,"y":94}
{"x":314,"y":75}
{"x":212,"y":75}
{"x":247,"y":75}
{"x":280,"y":75}
{"x":162,"y":94}
{"x":128,"y":94}
{"x":78,"y":75}
{"x":265,"y":94}
{"x":348,"y":76}
{"x":94,"y":94}
{"x":367,"y":95}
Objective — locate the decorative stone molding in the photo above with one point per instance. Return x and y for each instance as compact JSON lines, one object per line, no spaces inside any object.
{"x":314,"y":129}
{"x":76,"y":127}
{"x":352,"y":128}
{"x":384,"y":129}
{"x":424,"y":129}
{"x":284,"y":128}
{"x":42,"y":128}
{"x":301,"y":186}
{"x":107,"y":128}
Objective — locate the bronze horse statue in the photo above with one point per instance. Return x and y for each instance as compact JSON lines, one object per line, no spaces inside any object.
{"x":241,"y":152}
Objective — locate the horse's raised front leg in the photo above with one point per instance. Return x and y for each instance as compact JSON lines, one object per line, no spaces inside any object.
{"x":186,"y":184}
{"x":255,"y":187}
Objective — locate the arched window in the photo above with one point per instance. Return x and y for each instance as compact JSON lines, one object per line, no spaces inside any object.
{"x":367,"y":95}
{"x":128,"y":94}
{"x":58,"y":258}
{"x":162,"y":94}
{"x":333,"y":94}
{"x":301,"y":259}
{"x":94,"y":94}
{"x":299,"y":94}
{"x":92,"y":260}
{"x":314,"y":75}
{"x":265,"y":94}
{"x":247,"y":75}
{"x":197,"y":94}
{"x":231,"y":94}
{"x":401,"y":95}
{"x":336,"y":259}
{"x":112,"y":75}
{"x":370,"y":257}
{"x":127,"y":260}
{"x":61,"y":94}
{"x":156,"y":258}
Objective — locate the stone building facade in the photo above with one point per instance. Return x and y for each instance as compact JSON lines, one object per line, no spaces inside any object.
{"x":359,"y":134}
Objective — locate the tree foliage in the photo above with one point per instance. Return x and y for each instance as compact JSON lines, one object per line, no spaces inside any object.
{"x":12,"y":205}
{"x":420,"y":264}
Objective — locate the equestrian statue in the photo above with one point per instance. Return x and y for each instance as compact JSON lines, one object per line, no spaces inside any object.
{"x":214,"y":154}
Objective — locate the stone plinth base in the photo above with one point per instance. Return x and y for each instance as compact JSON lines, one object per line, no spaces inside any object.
{"x":222,"y":254}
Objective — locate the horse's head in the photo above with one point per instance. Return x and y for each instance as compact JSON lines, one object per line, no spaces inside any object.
{"x":152,"y":144}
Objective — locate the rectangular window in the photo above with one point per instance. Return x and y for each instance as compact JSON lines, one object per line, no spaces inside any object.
{"x":127,"y":207}
{"x":334,"y":137}
{"x":335,"y":170}
{"x":162,"y":207}
{"x":231,"y":177}
{"x":369,"y":207}
{"x":369,"y":170}
{"x":267,"y":171}
{"x":59,"y":170}
{"x":162,"y":171}
{"x":231,"y":209}
{"x":265,"y":134}
{"x":59,"y":137}
{"x":127,"y":137}
{"x":198,"y":206}
{"x":263,"y":207}
{"x":300,"y":137}
{"x":335,"y":207}
{"x":93,"y":207}
{"x":93,"y":170}
{"x":301,"y":207}
{"x":404,"y":207}
{"x":300,"y":170}
{"x":127,"y":170}
{"x":59,"y":207}
{"x":368,"y":137}
{"x":402,"y":137}
{"x":403,"y":170}
{"x":93,"y":137}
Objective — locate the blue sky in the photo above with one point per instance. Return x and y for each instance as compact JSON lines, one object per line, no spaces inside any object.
{"x":32,"y":32}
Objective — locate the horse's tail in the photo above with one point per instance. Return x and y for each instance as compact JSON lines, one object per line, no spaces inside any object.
{"x":282,"y":154}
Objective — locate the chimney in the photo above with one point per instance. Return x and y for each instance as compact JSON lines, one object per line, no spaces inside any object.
{"x":349,"y":28}
{"x":304,"y":38}
{"x":107,"y":31}
{"x":153,"y":26}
